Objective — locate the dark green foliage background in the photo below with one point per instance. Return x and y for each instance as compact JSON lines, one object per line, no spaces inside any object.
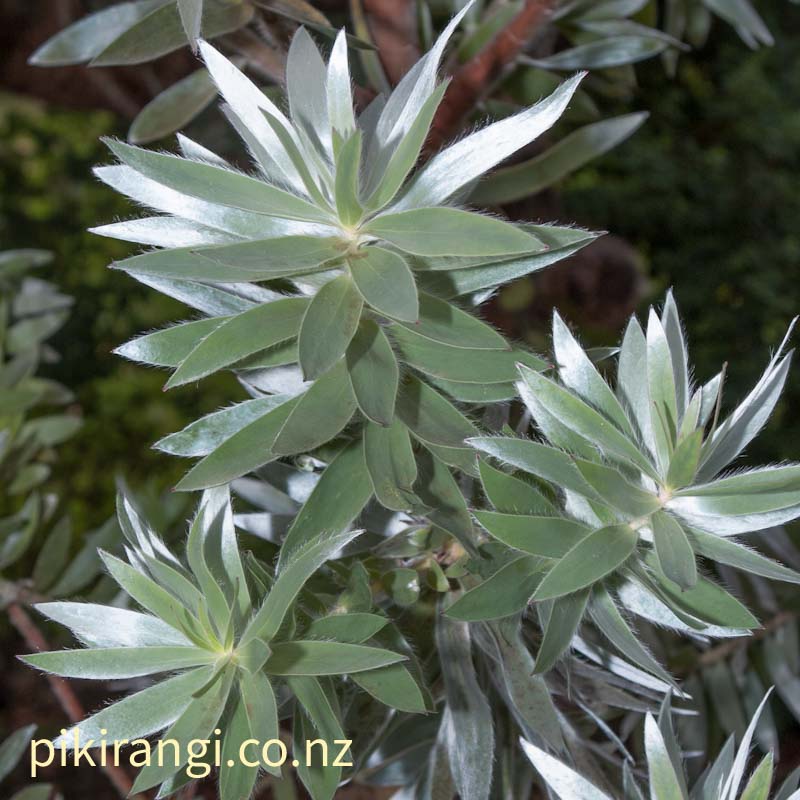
{"x":707,"y":191}
{"x":48,"y":199}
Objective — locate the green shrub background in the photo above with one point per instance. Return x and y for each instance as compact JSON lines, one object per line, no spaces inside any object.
{"x":707,"y":191}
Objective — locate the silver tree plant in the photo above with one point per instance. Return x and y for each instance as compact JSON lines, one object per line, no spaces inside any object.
{"x":415,"y":535}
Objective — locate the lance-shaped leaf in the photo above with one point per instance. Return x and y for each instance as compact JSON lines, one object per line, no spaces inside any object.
{"x":468,"y":159}
{"x":510,"y":495}
{"x":405,"y":103}
{"x":103,"y":626}
{"x":340,"y":96}
{"x":197,"y":721}
{"x":393,"y":686}
{"x":13,"y":748}
{"x":506,"y":592}
{"x":389,"y":458}
{"x":306,"y":88}
{"x":163,"y":232}
{"x":319,"y":776}
{"x":606,"y":616}
{"x":743,"y":16}
{"x":758,"y":786}
{"x":250,"y":447}
{"x":149,"y":594}
{"x":664,"y":783}
{"x":451,"y":232}
{"x":294,"y":572}
{"x":674,"y":552}
{"x":706,"y":601}
{"x":577,"y":372}
{"x":203,"y":264}
{"x":673,"y":330}
{"x":118,"y":662}
{"x":173,"y":108}
{"x":337,"y":499}
{"x":236,"y":779}
{"x":272,"y":258}
{"x":191,"y":13}
{"x":206,"y":434}
{"x":306,"y":168}
{"x":671,"y":743}
{"x":352,"y":628}
{"x":234,"y":221}
{"x":739,"y":429}
{"x":255,"y":330}
{"x":385,"y":282}
{"x":319,"y":414}
{"x":684,"y":460}
{"x":537,"y":459}
{"x":616,"y":491}
{"x":326,"y":658}
{"x":584,"y":420}
{"x":549,"y":537}
{"x":569,"y":154}
{"x":167,"y":348}
{"x":374,"y":372}
{"x":633,"y":391}
{"x":215,"y":184}
{"x":248,"y":103}
{"x":459,"y":364}
{"x":261,"y":708}
{"x":561,"y":243}
{"x":662,"y":387}
{"x":348,"y":180}
{"x":447,"y":324}
{"x":89,"y":36}
{"x":590,"y":560}
{"x":328,"y":326}
{"x":406,"y":153}
{"x":430,"y":417}
{"x":143,"y":713}
{"x":562,"y":624}
{"x":532,"y":705}
{"x":734,"y":779}
{"x":743,"y":502}
{"x":469,"y":733}
{"x":737,"y":555}
{"x":438,"y":489}
{"x":563,"y":780}
{"x":161,"y":31}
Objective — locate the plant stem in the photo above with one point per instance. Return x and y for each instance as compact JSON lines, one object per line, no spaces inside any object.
{"x":726,"y":649}
{"x":474,"y":78}
{"x":393,"y":24}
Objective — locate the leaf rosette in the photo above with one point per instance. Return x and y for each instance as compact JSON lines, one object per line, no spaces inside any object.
{"x":625,"y":490}
{"x":237,"y":645}
{"x":330,"y":278}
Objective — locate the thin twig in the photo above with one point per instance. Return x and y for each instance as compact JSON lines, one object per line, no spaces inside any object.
{"x":68,"y":700}
{"x":474,"y":78}
{"x":726,"y":649}
{"x":18,"y":592}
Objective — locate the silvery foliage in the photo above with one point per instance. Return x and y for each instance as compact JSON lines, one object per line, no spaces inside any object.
{"x":370,"y":256}
{"x":724,"y":779}
{"x":632,"y":485}
{"x":334,"y":279}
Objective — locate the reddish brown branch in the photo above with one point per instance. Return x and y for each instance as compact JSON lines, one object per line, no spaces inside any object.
{"x":722,"y":652}
{"x":474,"y":78}
{"x":62,"y":690}
{"x":393,"y":24}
